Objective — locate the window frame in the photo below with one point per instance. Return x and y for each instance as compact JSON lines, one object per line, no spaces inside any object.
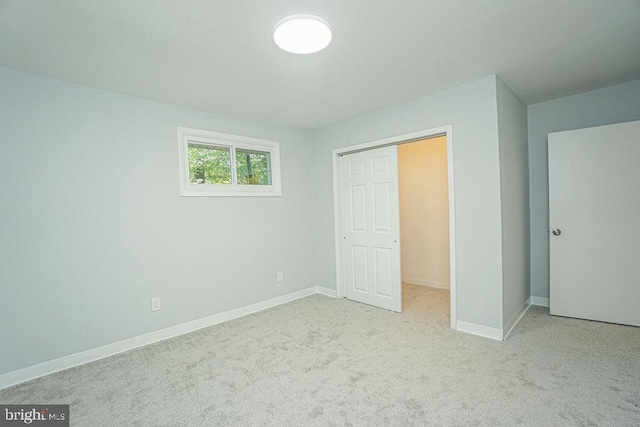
{"x":198,"y":136}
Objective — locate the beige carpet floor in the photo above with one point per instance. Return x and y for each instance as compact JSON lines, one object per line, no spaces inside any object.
{"x":322,"y":361}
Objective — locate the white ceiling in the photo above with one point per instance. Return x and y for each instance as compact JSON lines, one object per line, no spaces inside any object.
{"x":219,"y":56}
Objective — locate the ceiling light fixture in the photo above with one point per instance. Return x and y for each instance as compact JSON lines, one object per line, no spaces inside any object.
{"x":302,"y":34}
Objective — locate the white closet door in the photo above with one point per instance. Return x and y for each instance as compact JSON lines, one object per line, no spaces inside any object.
{"x":371,"y":223}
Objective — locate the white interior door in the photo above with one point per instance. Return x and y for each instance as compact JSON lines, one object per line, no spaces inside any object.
{"x":370,"y":225}
{"x":594,"y":207}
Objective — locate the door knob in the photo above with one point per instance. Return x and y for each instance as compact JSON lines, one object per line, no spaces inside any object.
{"x":557,"y":232}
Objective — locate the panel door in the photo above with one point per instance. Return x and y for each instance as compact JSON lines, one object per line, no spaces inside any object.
{"x":594,"y":217}
{"x":371,"y":223}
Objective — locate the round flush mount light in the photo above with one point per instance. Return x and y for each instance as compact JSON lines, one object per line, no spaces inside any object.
{"x":302,"y":34}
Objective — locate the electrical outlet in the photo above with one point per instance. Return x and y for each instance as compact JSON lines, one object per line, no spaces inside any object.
{"x":280,"y":276}
{"x":155,"y":304}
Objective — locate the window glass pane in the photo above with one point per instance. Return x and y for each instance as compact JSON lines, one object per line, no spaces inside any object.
{"x":209,"y":164}
{"x":253,"y":167}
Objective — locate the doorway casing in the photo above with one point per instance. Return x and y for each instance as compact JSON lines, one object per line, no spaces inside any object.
{"x":337,"y":207}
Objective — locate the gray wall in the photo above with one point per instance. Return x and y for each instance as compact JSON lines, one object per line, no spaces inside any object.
{"x":93,"y":226}
{"x":614,"y":104}
{"x":514,"y":190}
{"x":472,"y":111}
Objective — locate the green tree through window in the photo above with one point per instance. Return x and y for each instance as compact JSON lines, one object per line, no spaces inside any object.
{"x":209,"y":164}
{"x":253,"y":167}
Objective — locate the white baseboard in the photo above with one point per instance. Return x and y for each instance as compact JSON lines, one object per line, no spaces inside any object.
{"x":422,"y":282}
{"x":480,"y":330}
{"x":66,"y":362}
{"x":515,"y":319}
{"x":326,"y":291}
{"x":541,"y":301}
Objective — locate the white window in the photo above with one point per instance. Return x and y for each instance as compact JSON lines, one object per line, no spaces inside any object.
{"x":217,"y":164}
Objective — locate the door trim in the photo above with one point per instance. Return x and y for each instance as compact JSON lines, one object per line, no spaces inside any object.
{"x":337,"y":206}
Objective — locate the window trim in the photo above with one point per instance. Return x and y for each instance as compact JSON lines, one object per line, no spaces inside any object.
{"x":187,"y":135}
